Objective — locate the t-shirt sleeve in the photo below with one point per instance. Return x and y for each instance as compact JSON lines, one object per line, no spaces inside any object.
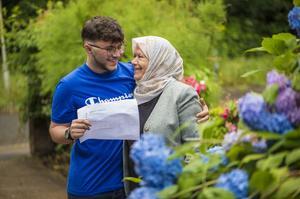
{"x":63,"y":110}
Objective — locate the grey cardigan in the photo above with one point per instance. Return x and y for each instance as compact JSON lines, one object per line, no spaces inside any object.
{"x":174,"y":116}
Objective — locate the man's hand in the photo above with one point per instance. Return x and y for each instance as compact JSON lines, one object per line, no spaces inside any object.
{"x":204,"y":114}
{"x":78,"y":128}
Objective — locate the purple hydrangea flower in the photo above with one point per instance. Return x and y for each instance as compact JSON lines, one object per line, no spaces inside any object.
{"x":294,"y":117}
{"x":143,"y":192}
{"x":150,"y":156}
{"x":259,"y":145}
{"x":273,"y":77}
{"x":286,"y":103}
{"x":230,"y":139}
{"x":294,"y":18}
{"x":235,"y":181}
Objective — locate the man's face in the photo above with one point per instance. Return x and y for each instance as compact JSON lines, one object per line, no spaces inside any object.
{"x":104,"y":54}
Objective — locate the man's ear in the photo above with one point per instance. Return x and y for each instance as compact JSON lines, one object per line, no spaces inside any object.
{"x":87,"y":48}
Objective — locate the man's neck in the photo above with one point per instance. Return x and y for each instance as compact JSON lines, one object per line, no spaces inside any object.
{"x":94,"y":68}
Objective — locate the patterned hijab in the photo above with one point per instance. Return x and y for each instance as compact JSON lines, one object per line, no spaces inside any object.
{"x":165,"y":65}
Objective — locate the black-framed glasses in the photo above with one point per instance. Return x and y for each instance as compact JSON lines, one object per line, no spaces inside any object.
{"x":110,"y":49}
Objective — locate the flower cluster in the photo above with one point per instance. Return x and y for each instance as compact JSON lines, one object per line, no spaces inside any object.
{"x":230,"y":115}
{"x":198,"y":86}
{"x":275,"y":78}
{"x":288,"y":100}
{"x":254,"y":112}
{"x":294,"y":19}
{"x":232,"y":138}
{"x":219,"y":150}
{"x":150,"y":155}
{"x":235,"y":181}
{"x":144,"y":192}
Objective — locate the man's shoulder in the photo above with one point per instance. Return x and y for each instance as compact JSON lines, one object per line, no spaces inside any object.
{"x":73,"y":75}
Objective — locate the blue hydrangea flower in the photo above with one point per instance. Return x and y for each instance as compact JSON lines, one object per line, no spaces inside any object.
{"x":216,"y":150}
{"x":278,"y":123}
{"x":294,"y":19}
{"x":273,"y":77}
{"x":219,"y":150}
{"x":254,"y":112}
{"x":144,"y":192}
{"x":235,"y":181}
{"x":150,"y":156}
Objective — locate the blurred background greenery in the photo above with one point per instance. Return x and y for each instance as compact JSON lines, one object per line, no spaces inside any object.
{"x":43,"y":42}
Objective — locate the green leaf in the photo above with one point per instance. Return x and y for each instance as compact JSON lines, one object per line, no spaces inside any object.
{"x":132,"y":179}
{"x":182,"y":150}
{"x":274,"y":46}
{"x":276,"y":146}
{"x":293,"y":135}
{"x":296,"y":81}
{"x":291,"y":144}
{"x":270,"y":93}
{"x":285,"y":62}
{"x":288,"y":188}
{"x":167,"y":192}
{"x":249,"y":73}
{"x":260,"y":181}
{"x":215,"y":193}
{"x":270,"y":136}
{"x":289,"y":39}
{"x":293,"y":156}
{"x":273,"y":161}
{"x":279,"y":174}
{"x":252,"y":157}
{"x":235,"y":152}
{"x":258,"y":49}
{"x":296,"y":2}
{"x":186,"y":181}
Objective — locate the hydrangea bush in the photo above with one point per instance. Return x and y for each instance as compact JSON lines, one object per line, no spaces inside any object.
{"x":256,"y":156}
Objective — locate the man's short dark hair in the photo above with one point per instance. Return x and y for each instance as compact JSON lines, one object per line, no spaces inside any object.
{"x":102,"y":28}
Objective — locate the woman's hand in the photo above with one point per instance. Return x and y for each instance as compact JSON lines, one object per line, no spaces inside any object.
{"x":203,"y":116}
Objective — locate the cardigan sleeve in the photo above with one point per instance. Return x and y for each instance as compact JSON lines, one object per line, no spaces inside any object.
{"x":188,"y":106}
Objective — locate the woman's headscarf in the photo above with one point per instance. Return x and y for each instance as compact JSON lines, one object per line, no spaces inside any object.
{"x":165,"y":65}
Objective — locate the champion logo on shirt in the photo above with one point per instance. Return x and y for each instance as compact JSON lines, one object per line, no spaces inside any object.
{"x":95,"y":100}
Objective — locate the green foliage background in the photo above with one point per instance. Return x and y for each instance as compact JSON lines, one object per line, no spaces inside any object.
{"x":56,"y":47}
{"x":184,"y":23}
{"x":43,"y":40}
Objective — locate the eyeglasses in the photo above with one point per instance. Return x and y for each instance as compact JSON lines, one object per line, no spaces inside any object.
{"x":110,"y":49}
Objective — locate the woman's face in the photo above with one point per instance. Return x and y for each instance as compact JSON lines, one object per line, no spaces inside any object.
{"x":140,"y":63}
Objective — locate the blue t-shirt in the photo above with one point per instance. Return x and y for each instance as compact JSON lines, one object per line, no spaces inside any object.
{"x":96,"y":165}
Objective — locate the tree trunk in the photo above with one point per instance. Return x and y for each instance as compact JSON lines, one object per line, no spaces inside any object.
{"x":39,"y":137}
{"x":3,"y":52}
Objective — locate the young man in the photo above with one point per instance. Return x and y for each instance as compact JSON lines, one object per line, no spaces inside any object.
{"x":96,"y":165}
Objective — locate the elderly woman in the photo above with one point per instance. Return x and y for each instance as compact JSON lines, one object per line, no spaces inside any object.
{"x":165,"y":103}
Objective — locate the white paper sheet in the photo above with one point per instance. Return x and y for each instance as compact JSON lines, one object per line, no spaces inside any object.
{"x":117,"y":120}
